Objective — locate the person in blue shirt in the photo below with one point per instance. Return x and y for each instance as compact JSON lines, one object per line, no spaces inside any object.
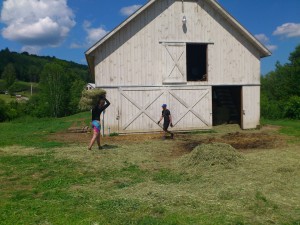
{"x":166,"y":115}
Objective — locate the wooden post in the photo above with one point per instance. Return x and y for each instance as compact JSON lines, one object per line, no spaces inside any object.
{"x":103,"y":124}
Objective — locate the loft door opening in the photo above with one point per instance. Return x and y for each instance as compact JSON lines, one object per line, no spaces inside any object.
{"x":196,"y":60}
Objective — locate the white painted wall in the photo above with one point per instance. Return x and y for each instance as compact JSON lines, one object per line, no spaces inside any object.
{"x":134,"y":56}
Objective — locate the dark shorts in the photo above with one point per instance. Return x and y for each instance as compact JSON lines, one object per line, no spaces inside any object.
{"x":166,"y":125}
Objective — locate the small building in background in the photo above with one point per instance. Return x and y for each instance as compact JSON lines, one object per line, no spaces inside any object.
{"x":90,"y":86}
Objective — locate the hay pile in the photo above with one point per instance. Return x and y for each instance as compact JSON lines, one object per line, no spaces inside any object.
{"x":214,"y":154}
{"x":90,"y":98}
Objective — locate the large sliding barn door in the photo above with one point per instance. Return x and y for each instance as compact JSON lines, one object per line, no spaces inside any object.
{"x":141,"y":108}
{"x":174,"y":70}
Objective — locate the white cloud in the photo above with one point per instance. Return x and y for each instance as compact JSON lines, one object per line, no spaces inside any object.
{"x":262,"y":38}
{"x":266,"y":41}
{"x":93,"y":35}
{"x":127,"y":11}
{"x":288,"y":30}
{"x":36,"y":23}
{"x":271,"y":47}
{"x":75,"y":45}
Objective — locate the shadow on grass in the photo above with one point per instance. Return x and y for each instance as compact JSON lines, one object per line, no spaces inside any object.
{"x":109,"y":147}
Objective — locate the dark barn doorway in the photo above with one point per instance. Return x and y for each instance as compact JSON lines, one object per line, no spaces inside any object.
{"x":226,"y":105}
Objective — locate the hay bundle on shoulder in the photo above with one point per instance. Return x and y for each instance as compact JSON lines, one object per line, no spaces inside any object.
{"x":213,"y":154}
{"x":90,"y":98}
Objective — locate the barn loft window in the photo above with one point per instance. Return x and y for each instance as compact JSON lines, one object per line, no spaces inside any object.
{"x":196,"y":61}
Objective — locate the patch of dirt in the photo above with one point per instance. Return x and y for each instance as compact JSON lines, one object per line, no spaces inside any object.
{"x":270,"y":128}
{"x":252,"y":140}
{"x":67,"y":137}
{"x":185,"y":143}
{"x":240,"y":141}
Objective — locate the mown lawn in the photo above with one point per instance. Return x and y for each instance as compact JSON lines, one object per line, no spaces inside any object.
{"x":288,"y":127}
{"x":144,"y":182}
{"x":33,"y":132}
{"x":22,"y":88}
{"x":7,"y":98}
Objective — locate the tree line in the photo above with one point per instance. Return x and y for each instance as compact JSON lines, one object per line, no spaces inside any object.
{"x":29,"y":67}
{"x":280,"y":90}
{"x":60,"y":85}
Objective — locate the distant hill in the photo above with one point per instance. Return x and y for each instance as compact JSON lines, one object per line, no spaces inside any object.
{"x":28,"y":67}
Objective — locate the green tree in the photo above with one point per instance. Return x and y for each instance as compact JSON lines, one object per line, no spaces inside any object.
{"x":280,"y":89}
{"x":75,"y":94}
{"x":54,"y":90}
{"x":9,"y":75}
{"x":3,"y":111}
{"x":33,"y":72}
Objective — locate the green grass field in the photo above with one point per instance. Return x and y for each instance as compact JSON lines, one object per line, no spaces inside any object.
{"x":23,"y":88}
{"x":7,"y":98}
{"x":145,"y":180}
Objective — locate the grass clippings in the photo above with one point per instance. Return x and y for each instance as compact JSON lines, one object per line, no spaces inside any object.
{"x":214,"y":154}
{"x":141,"y":179}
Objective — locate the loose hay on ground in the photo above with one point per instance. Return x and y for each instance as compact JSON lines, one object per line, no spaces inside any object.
{"x":213,"y":154}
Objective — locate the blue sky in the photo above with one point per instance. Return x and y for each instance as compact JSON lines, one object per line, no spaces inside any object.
{"x":67,"y":28}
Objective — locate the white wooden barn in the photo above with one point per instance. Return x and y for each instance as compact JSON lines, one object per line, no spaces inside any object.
{"x":190,"y":54}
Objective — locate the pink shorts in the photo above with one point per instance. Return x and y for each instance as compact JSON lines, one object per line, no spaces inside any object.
{"x":96,"y":126}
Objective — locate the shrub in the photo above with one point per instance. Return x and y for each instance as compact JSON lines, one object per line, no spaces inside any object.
{"x":292,"y":108}
{"x":3,"y":111}
{"x":18,"y":87}
{"x":271,"y":109}
{"x":113,"y":134}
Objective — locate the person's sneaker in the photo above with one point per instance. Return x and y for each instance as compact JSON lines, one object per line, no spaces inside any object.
{"x":100,"y":147}
{"x":172,"y":136}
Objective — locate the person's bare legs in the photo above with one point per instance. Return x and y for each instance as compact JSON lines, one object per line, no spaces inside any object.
{"x":96,"y":136}
{"x":98,"y":141}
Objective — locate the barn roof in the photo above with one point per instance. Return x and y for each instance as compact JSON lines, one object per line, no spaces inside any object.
{"x":262,"y":49}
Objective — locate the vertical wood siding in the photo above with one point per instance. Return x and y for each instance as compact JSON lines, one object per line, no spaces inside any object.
{"x":136,"y":65}
{"x":138,"y":109}
{"x":250,"y":107}
{"x":134,"y":56}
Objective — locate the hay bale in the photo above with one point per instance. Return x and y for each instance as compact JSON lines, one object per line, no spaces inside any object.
{"x":214,"y":154}
{"x":90,"y":98}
